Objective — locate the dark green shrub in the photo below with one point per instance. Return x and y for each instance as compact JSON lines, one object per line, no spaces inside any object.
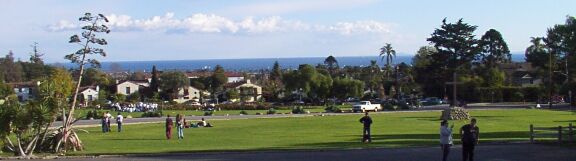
{"x":298,"y":110}
{"x":152,"y":114}
{"x":208,"y":113}
{"x":271,"y":111}
{"x":333,"y":108}
{"x":243,"y":112}
{"x":93,"y":114}
{"x":389,"y":107}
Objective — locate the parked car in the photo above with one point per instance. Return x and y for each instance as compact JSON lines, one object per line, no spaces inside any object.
{"x":365,"y":106}
{"x":431,"y":101}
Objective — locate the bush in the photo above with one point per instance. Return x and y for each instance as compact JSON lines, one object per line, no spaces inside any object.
{"x":243,"y":112}
{"x":389,"y":107}
{"x":333,"y":108}
{"x":152,"y":114}
{"x":298,"y":110}
{"x":403,"y":105}
{"x":271,"y":111}
{"x":208,"y":113}
{"x":93,"y":114}
{"x":181,"y":107}
{"x":245,"y":106}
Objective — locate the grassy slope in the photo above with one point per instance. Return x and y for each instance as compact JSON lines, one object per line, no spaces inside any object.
{"x":389,"y":130}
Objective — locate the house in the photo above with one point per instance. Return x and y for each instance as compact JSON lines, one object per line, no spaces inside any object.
{"x":89,"y":93}
{"x":232,"y":76}
{"x":519,"y":74}
{"x":248,"y":92}
{"x":525,"y":79}
{"x":25,"y":90}
{"x":187,"y":94}
{"x":131,"y":86}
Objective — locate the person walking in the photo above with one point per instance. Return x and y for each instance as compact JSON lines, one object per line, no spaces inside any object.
{"x":445,"y":139}
{"x":169,"y":125}
{"x":470,"y":135}
{"x":108,"y":116}
{"x":367,"y":121}
{"x":180,"y":126}
{"x":119,"y":120}
{"x":104,"y":126}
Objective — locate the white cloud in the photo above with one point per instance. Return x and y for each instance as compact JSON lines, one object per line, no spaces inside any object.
{"x":294,"y":6}
{"x":210,"y":23}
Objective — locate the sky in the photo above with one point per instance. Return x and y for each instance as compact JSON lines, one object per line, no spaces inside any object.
{"x":224,"y":29}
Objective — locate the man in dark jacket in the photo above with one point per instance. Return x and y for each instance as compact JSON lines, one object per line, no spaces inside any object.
{"x":470,"y":134}
{"x":367,"y":121}
{"x":169,"y":124}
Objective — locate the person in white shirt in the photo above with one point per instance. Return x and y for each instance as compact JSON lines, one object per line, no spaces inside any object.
{"x":445,"y":138}
{"x":119,"y":120}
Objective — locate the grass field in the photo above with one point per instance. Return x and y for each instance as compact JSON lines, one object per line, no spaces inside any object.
{"x":314,"y":109}
{"x":402,"y":129}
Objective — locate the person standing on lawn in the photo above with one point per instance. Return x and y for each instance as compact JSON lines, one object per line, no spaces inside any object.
{"x":470,"y":135}
{"x":367,"y":121}
{"x":119,"y":120}
{"x":169,"y":124}
{"x":445,"y":138}
{"x":180,"y":126}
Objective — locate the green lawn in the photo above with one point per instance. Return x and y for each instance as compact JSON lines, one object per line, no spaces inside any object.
{"x":400,"y":129}
{"x":314,"y":109}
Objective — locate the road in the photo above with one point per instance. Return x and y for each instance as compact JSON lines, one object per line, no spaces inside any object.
{"x":495,"y":152}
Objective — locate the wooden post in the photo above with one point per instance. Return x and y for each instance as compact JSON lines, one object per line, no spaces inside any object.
{"x":559,"y":134}
{"x":531,"y":133}
{"x":570,"y":132}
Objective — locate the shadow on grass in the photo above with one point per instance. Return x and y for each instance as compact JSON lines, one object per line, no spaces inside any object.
{"x":127,"y":139}
{"x":568,"y":121}
{"x":414,"y":140}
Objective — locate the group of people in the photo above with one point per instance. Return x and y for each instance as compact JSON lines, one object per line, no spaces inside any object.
{"x":469,"y":134}
{"x":106,"y":119}
{"x":181,"y":124}
{"x":138,"y":107}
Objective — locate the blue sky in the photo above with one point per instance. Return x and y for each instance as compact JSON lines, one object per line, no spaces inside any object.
{"x":218,"y":29}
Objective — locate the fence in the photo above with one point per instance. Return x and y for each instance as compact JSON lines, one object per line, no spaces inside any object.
{"x":561,"y":133}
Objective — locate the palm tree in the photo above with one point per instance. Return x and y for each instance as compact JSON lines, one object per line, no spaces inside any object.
{"x":389,"y":53}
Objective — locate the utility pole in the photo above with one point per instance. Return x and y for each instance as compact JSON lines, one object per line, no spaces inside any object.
{"x":550,"y":81}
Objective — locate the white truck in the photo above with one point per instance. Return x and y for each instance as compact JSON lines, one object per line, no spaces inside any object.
{"x":365,"y":106}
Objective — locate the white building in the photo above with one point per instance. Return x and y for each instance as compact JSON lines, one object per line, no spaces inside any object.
{"x":89,"y":93}
{"x":248,"y":92}
{"x":25,"y":90}
{"x":129,"y":87}
{"x":187,"y":94}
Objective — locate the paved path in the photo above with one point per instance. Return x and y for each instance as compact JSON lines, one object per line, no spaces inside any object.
{"x":511,"y":152}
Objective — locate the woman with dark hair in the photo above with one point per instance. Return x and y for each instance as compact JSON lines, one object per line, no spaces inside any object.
{"x":180,"y":125}
{"x":169,"y":125}
{"x":445,"y":138}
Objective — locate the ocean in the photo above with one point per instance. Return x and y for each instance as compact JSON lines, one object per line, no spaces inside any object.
{"x":254,"y":64}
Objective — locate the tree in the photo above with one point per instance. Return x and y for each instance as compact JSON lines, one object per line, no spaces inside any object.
{"x":388,"y":53}
{"x":11,"y":70}
{"x":232,"y":94}
{"x":30,"y":122}
{"x":137,"y":76}
{"x":36,"y":56}
{"x":5,"y":90}
{"x":494,"y":49}
{"x":456,"y":50}
{"x":217,"y":80}
{"x":561,"y":41}
{"x":171,"y":82}
{"x":332,"y":64}
{"x":81,"y":57}
{"x":154,"y":86}
{"x":346,"y":87}
{"x":94,"y":76}
{"x":537,"y":53}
